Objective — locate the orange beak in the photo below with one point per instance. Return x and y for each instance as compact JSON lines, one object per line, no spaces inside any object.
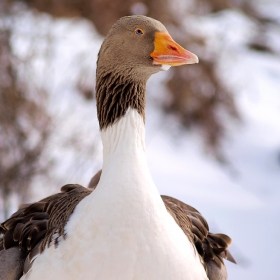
{"x":167,"y":51}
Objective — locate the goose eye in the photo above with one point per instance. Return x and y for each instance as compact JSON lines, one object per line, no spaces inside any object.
{"x":138,"y":31}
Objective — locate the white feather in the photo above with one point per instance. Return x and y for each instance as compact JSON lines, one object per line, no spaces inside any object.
{"x":165,"y":67}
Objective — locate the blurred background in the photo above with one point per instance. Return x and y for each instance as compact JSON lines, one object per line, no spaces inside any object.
{"x":213,"y":129}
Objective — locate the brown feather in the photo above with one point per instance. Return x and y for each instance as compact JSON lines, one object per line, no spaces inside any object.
{"x":95,"y":180}
{"x":17,"y":231}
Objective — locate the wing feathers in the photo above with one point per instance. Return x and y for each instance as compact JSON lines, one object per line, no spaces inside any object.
{"x":211,"y":247}
{"x":34,"y":226}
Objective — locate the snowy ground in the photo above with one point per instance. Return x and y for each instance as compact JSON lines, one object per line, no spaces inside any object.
{"x":241,"y":200}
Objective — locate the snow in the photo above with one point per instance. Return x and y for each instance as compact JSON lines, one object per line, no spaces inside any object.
{"x":241,"y":199}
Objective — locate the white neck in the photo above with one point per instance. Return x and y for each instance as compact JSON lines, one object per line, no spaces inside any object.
{"x":124,"y":137}
{"x":124,"y":152}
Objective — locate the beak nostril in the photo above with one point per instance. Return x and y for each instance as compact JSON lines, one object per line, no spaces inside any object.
{"x":173,"y":48}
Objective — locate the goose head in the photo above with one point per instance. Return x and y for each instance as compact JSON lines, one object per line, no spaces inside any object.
{"x":141,"y":46}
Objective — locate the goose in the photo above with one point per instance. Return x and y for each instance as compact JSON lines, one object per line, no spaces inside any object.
{"x":119,"y":228}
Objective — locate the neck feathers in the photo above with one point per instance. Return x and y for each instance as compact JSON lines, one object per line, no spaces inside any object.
{"x":125,"y":138}
{"x":115,"y":93}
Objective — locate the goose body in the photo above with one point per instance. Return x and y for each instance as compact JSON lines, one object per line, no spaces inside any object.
{"x":123,"y":229}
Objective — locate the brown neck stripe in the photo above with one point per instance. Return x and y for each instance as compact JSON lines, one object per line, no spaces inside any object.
{"x":115,"y":93}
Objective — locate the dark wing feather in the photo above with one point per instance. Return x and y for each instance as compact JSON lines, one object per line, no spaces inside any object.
{"x":31,"y":229}
{"x":211,"y":247}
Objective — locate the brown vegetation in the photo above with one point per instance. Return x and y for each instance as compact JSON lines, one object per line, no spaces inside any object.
{"x":24,"y":124}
